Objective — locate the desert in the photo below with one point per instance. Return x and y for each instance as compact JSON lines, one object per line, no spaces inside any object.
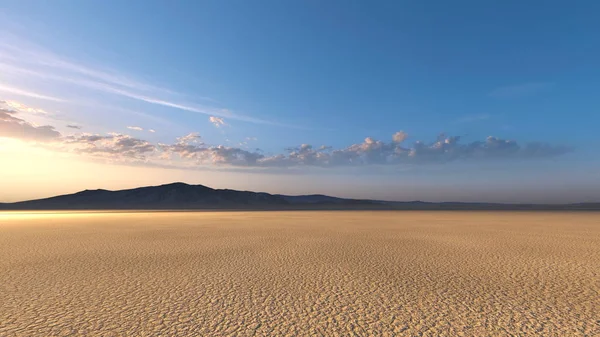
{"x":312,"y":273}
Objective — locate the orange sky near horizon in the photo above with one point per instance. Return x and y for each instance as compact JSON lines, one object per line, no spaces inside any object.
{"x":29,"y":172}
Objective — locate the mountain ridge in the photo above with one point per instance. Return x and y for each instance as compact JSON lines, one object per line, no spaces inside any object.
{"x":182,"y":196}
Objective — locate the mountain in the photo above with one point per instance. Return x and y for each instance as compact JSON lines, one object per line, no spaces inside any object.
{"x":193,"y":197}
{"x":176,"y":196}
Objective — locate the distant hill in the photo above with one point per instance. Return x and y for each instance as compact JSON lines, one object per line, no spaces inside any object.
{"x":196,"y":197}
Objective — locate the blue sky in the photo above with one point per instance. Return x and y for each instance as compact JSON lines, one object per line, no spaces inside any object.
{"x":250,"y":82}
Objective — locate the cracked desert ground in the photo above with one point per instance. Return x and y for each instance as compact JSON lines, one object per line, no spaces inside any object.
{"x":300,"y":274}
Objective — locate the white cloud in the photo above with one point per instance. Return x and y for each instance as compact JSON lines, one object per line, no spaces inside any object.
{"x":31,"y":53}
{"x":190,"y":151}
{"x":27,"y":93}
{"x":216,"y":121}
{"x":399,"y":136}
{"x":135,"y":128}
{"x":24,"y":108}
{"x":30,"y":60}
{"x":193,"y":137}
{"x":151,"y":130}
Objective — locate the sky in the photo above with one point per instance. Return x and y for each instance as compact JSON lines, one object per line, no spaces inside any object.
{"x":394,"y":100}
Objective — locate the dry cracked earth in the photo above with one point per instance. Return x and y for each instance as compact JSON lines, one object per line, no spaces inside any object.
{"x":300,"y":274}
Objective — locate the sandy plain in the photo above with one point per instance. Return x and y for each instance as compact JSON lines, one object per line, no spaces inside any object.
{"x":299,"y":274}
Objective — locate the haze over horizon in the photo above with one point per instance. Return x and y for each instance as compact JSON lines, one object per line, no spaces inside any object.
{"x":459,"y":101}
{"x":169,"y":190}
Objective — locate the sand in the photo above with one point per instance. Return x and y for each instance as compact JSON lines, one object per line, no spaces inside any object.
{"x":300,"y":274}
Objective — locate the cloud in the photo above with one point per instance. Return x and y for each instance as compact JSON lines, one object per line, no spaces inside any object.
{"x":369,"y":152}
{"x":218,"y":122}
{"x":36,"y":54}
{"x":375,"y":152}
{"x":114,"y":146}
{"x":31,"y":60}
{"x":73,"y":126}
{"x":96,"y":104}
{"x":193,"y":137}
{"x":190,"y":151}
{"x":399,"y":137}
{"x":216,"y":155}
{"x":151,"y":130}
{"x":24,"y":108}
{"x":14,"y":127}
{"x":519,"y":90}
{"x":135,"y":128}
{"x":22,"y":92}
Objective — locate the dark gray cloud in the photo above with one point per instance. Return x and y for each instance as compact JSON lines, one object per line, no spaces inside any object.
{"x":73,"y":126}
{"x":14,"y":127}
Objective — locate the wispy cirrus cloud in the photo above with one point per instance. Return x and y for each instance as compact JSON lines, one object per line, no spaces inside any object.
{"x":27,"y":93}
{"x":24,"y":108}
{"x":22,"y":58}
{"x":111,"y":89}
{"x":520,"y":90}
{"x":17,"y":48}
